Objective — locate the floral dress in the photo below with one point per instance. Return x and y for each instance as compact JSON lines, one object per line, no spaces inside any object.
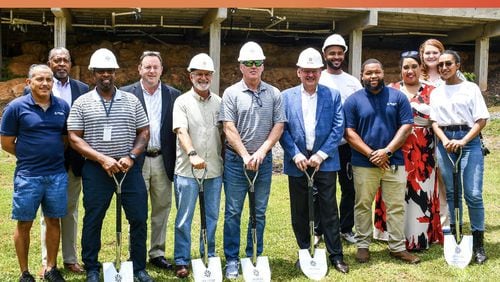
{"x":422,"y":221}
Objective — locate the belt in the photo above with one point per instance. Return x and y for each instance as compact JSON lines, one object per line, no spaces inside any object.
{"x":153,"y":153}
{"x":459,"y":127}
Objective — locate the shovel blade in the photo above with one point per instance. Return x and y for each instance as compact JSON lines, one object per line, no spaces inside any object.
{"x":259,"y":272}
{"x":202,"y":273}
{"x":126,"y":273}
{"x":458,"y":255}
{"x":315,"y":268}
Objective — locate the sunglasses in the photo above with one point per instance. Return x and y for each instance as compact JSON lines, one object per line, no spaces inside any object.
{"x":249,"y":64}
{"x":409,"y":54}
{"x":447,"y":63}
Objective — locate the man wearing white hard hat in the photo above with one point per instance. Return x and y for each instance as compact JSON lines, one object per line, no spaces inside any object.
{"x":334,"y":50}
{"x":199,"y":146}
{"x":253,"y":120}
{"x":109,"y":128}
{"x":158,"y":160}
{"x":310,"y":142}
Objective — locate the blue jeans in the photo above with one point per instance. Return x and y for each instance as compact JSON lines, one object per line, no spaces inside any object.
{"x":236,"y":188}
{"x":31,"y":191}
{"x":471,"y":173}
{"x":186,"y":193}
{"x":98,"y":190}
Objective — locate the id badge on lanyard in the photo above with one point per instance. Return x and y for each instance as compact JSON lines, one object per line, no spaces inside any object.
{"x":108,"y":129}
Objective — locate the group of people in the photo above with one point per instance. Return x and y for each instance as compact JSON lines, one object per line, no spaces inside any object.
{"x":378,"y":139}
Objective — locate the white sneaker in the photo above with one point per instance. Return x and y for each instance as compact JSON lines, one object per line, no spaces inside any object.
{"x":232,"y":269}
{"x":349,"y":237}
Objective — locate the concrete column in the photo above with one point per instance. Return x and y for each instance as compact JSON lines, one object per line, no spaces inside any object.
{"x":481,"y":62}
{"x":59,"y":31}
{"x":215,"y":42}
{"x":355,"y":52}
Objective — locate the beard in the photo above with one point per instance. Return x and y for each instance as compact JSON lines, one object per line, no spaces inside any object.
{"x":376,"y":88}
{"x":332,"y":66}
{"x":201,"y":86}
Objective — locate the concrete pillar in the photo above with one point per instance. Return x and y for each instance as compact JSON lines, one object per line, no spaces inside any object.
{"x":481,"y":62}
{"x":355,"y":51}
{"x":215,"y":42}
{"x":59,"y":31}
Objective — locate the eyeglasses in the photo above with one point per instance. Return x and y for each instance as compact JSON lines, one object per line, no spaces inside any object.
{"x":257,"y":98}
{"x":249,"y":64}
{"x":409,"y":54}
{"x":446,"y":63}
{"x":102,"y":71}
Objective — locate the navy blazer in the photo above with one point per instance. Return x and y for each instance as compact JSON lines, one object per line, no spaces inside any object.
{"x":329,"y":128}
{"x":71,"y":157}
{"x":167,"y":136}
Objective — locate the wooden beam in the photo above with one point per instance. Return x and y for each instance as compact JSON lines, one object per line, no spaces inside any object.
{"x":215,"y":42}
{"x":217,"y":15}
{"x":481,"y":56}
{"x":472,"y":33}
{"x":361,"y":22}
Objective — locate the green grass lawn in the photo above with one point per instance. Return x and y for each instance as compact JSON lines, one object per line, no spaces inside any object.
{"x":280,"y":244}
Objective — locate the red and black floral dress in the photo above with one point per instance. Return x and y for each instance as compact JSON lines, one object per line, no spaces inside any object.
{"x":422,"y":222}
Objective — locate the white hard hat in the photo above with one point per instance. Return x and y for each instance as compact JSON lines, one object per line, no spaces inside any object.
{"x":310,"y":59}
{"x":335,"y":39}
{"x":251,"y":51}
{"x":103,"y":59}
{"x":201,"y":62}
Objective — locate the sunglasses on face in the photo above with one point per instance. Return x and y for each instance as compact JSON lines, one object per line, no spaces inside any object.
{"x":249,"y":64}
{"x":447,"y":63}
{"x":409,"y":54}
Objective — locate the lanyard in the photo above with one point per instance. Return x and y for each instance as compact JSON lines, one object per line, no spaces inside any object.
{"x":108,"y":110}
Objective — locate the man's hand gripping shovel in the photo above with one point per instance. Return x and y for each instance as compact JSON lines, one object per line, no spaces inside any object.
{"x":126,"y":273}
{"x":457,"y":254}
{"x":206,"y":269}
{"x":312,"y":261}
{"x":254,"y":268}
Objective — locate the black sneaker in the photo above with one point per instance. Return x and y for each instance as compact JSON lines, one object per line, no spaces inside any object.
{"x":53,"y":275}
{"x":26,"y":277}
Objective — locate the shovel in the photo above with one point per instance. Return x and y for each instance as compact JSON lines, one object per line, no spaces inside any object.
{"x":313,"y":261}
{"x":206,"y":269}
{"x":457,"y":254}
{"x":256,"y":268}
{"x":126,"y":273}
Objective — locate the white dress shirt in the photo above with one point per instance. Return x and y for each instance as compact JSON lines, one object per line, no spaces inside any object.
{"x":153,"y":107}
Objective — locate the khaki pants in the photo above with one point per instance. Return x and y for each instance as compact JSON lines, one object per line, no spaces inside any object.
{"x":160,"y":194}
{"x":69,"y":223}
{"x":366,"y":182}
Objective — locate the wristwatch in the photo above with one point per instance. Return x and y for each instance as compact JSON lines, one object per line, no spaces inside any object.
{"x":388,"y":153}
{"x":132,"y":156}
{"x":192,"y":153}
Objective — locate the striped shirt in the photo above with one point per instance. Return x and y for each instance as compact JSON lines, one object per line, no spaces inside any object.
{"x":253,"y":113}
{"x":125,"y":116}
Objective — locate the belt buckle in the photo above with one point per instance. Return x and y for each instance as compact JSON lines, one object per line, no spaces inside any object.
{"x":153,"y":153}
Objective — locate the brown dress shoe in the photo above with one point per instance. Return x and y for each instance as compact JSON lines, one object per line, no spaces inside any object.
{"x":181,"y":271}
{"x":74,"y":267}
{"x":363,"y":255}
{"x":406,"y":257}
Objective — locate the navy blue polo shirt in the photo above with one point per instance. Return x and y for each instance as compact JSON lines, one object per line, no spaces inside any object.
{"x":376,"y":118}
{"x":39,"y":143}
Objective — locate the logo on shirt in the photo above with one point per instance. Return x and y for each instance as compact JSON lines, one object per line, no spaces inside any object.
{"x":59,"y":113}
{"x":392,"y":104}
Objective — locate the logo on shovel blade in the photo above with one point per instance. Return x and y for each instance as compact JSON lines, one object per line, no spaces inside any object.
{"x":313,"y":263}
{"x":458,"y":250}
{"x":255,"y":272}
{"x":207,"y":273}
{"x":118,"y":278}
